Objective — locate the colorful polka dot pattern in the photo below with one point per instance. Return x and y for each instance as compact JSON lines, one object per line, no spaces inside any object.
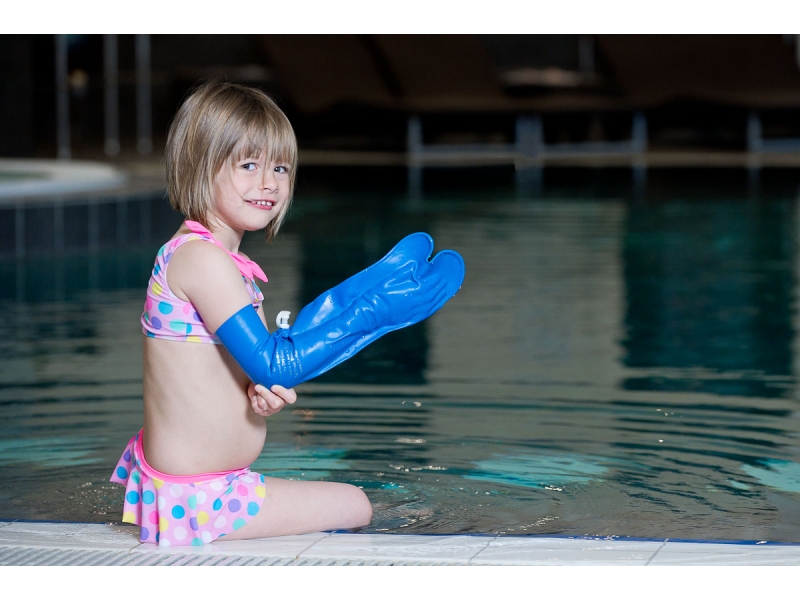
{"x":175,"y":511}
{"x":167,"y":316}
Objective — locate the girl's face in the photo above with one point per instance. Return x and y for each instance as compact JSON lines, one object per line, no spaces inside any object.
{"x":248,"y":195}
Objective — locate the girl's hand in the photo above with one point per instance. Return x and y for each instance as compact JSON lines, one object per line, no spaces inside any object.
{"x":266,"y":402}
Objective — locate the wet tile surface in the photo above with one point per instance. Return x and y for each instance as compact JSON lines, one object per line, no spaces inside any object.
{"x":68,"y":535}
{"x":291,"y":546}
{"x":94,"y":543}
{"x":554,"y":551}
{"x":406,"y":547}
{"x":687,"y":553}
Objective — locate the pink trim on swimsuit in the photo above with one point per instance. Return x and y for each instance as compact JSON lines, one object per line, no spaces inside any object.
{"x":168,"y":317}
{"x":138,"y":446}
{"x":185,"y":510}
{"x":247,"y":267}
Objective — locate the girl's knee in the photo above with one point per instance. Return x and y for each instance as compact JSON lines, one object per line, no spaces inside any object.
{"x":360,"y":507}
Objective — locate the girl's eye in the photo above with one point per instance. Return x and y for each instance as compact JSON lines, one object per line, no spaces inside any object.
{"x":249,"y":166}
{"x":281,"y":169}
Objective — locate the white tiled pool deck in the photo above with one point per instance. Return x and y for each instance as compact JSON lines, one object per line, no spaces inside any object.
{"x":25,"y":543}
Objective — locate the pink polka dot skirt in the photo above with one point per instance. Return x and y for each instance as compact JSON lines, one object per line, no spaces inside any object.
{"x":191,"y":510}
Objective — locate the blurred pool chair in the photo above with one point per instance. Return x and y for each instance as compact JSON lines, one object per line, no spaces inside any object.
{"x":756,"y":73}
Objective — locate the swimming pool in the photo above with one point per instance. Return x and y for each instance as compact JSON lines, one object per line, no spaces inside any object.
{"x":620,"y":361}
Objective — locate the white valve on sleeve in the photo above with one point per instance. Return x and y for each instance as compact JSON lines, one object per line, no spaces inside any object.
{"x":282,"y":320}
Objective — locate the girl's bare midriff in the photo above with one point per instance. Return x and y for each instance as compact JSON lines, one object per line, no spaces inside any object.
{"x":197,"y":416}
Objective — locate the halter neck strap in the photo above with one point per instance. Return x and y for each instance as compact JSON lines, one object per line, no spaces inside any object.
{"x":247,"y":267}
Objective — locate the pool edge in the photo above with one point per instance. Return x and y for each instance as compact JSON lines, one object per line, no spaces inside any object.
{"x":24,"y":542}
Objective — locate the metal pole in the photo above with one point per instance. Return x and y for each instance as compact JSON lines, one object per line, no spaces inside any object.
{"x":529,"y":139}
{"x":639,"y":132}
{"x":144,"y":123}
{"x":797,"y":49}
{"x":586,"y":60}
{"x":414,"y":140}
{"x":111,"y":85}
{"x":415,"y":147}
{"x":755,"y":134}
{"x":62,"y":98}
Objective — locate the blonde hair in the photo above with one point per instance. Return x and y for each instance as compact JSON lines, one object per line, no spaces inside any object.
{"x":223,"y":122}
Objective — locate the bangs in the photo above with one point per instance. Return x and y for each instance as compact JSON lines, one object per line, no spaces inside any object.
{"x":266,"y":135}
{"x":218,"y":125}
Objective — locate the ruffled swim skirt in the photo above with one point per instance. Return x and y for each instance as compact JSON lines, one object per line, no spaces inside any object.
{"x":185,"y":510}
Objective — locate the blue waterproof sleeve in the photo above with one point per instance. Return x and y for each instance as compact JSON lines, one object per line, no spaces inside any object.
{"x":266,"y":358}
{"x":401,"y":289}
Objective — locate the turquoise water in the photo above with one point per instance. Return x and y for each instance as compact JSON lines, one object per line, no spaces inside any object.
{"x":621,"y":361}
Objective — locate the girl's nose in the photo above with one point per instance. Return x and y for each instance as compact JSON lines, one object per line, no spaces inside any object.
{"x":269,"y":181}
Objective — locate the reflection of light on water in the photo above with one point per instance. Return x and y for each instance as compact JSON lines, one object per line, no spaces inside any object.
{"x":305,"y":413}
{"x":538,"y":470}
{"x":536,"y":524}
{"x":407,"y":469}
{"x":779,"y":474}
{"x":738,"y":484}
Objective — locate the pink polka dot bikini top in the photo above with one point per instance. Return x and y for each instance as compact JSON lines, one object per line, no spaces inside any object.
{"x":168,"y":317}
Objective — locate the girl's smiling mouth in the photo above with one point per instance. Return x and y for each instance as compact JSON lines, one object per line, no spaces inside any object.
{"x":264,"y":203}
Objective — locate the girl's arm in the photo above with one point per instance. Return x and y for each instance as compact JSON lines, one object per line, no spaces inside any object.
{"x":210,"y":280}
{"x":205,"y":275}
{"x":403,"y":288}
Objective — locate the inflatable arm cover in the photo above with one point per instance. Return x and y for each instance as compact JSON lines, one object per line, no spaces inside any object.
{"x":401,"y":289}
{"x":260,"y":354}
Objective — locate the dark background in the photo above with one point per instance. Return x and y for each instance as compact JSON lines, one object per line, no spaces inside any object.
{"x":356,"y":92}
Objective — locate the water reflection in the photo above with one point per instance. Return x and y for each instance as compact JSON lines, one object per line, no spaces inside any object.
{"x":543,"y":297}
{"x":710,"y":289}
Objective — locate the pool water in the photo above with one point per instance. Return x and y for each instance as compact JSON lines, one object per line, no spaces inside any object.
{"x":621,"y":361}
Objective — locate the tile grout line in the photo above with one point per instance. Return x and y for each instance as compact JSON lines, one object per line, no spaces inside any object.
{"x":312,"y":544}
{"x":649,"y":560}
{"x":138,"y":544}
{"x":489,"y":543}
{"x":134,"y":547}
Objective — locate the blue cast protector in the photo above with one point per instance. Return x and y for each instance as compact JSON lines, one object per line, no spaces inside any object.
{"x":401,"y":289}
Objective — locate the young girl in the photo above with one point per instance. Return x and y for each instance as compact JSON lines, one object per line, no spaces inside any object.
{"x":212,"y":372}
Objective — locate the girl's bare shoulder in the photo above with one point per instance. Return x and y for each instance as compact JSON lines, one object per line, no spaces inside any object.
{"x":201,"y":263}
